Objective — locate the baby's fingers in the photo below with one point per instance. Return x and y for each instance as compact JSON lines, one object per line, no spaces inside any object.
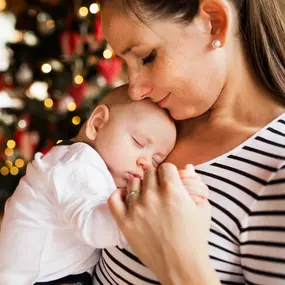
{"x":188,"y":172}
{"x":196,"y":187}
{"x":198,"y":200}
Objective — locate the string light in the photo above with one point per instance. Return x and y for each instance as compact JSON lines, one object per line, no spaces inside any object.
{"x":76,"y":120}
{"x":8,"y":163}
{"x":94,"y":8}
{"x":4,"y":170}
{"x":14,"y":170}
{"x":83,"y":11}
{"x":19,"y":163}
{"x":30,"y":38}
{"x":3,"y":5}
{"x":107,"y":53}
{"x":78,"y":79}
{"x":11,"y":144}
{"x":9,"y":151}
{"x":71,"y":107}
{"x":46,"y":68}
{"x":48,"y":103}
{"x":38,"y":90}
{"x":22,"y":124}
{"x":17,"y":37}
{"x":50,"y":24}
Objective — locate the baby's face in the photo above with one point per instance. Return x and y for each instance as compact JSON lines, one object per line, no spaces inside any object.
{"x":137,"y":137}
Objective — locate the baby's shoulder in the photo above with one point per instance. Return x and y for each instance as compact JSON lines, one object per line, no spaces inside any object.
{"x":81,"y":160}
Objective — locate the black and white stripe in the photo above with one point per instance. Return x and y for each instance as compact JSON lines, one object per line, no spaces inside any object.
{"x":247,"y":236}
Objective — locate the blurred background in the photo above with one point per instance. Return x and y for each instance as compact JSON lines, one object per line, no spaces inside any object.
{"x":54,"y":66}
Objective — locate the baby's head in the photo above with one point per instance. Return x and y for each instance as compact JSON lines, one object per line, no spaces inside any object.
{"x":130,"y":136}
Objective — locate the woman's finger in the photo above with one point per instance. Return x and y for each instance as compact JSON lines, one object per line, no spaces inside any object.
{"x":117,"y":205}
{"x":150,"y":181}
{"x":133,"y":189}
{"x":168,"y":173}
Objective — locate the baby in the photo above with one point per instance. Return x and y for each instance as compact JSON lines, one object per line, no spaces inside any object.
{"x":58,"y":217}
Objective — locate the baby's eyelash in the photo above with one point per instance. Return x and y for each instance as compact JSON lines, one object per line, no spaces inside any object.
{"x":150,"y":58}
{"x":138,"y":143}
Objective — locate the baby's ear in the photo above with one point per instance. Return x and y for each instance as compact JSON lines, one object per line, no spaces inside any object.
{"x":97,"y":120}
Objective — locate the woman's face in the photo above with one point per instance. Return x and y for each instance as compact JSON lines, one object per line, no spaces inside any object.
{"x":172,"y":64}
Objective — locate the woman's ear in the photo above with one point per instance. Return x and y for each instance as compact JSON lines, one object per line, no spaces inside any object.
{"x":97,"y":120}
{"x":218,"y":13}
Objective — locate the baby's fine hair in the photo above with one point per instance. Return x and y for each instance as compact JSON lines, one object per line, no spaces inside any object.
{"x":116,"y":96}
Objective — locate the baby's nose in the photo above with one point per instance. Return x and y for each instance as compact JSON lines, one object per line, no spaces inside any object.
{"x":144,"y":162}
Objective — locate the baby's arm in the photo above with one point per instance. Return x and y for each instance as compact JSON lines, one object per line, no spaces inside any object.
{"x":81,"y":194}
{"x":195,"y":186}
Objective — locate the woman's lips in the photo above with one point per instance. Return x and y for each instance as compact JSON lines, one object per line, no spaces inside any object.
{"x":162,"y":103}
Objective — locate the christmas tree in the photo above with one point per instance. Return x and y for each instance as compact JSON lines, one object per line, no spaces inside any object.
{"x":60,"y":66}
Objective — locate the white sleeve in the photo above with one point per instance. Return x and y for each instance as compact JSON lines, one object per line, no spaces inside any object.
{"x":81,"y":192}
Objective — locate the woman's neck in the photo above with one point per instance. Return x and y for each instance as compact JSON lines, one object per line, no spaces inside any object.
{"x":243,"y":103}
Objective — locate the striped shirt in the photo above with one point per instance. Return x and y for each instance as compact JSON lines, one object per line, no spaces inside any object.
{"x":247,"y":235}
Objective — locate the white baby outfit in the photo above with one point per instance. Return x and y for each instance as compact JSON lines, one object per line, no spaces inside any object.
{"x":58,"y":219}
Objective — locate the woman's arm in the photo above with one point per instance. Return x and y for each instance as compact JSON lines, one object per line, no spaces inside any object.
{"x":165,"y":228}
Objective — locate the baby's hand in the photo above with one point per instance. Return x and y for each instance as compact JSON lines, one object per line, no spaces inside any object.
{"x":193,"y":183}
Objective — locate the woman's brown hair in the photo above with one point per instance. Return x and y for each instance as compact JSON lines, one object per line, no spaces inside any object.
{"x":262,"y":26}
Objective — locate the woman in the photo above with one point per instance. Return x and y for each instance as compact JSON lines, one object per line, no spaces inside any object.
{"x":218,"y":66}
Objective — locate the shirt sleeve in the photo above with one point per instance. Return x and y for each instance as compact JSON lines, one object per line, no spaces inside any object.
{"x":81,"y":191}
{"x":263,"y":235}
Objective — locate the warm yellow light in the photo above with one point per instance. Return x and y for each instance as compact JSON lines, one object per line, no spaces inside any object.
{"x":9,"y":151}
{"x":78,"y":79}
{"x":4,"y":171}
{"x":107,"y":53}
{"x":14,"y":170}
{"x":11,"y":144}
{"x":18,"y":35}
{"x":51,"y":24}
{"x":76,"y":120}
{"x":83,"y":11}
{"x":46,"y":68}
{"x":19,"y":163}
{"x":8,"y":163}
{"x":59,"y":141}
{"x":3,"y":5}
{"x":48,"y":102}
{"x":94,"y":8}
{"x":71,"y":107}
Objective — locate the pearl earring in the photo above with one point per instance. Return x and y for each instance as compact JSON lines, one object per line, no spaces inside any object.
{"x":216,"y":44}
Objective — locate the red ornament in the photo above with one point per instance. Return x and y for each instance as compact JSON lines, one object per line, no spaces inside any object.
{"x":98,"y":32}
{"x":25,"y":140}
{"x":27,"y":143}
{"x":48,"y":147}
{"x":77,"y":92}
{"x":110,"y":68}
{"x":71,"y":44}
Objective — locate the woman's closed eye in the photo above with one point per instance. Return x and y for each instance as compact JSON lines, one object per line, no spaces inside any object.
{"x":150,"y":58}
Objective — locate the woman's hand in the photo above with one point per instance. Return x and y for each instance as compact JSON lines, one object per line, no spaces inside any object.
{"x":165,"y":228}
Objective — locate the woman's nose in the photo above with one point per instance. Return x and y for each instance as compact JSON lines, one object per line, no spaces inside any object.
{"x":139,"y":87}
